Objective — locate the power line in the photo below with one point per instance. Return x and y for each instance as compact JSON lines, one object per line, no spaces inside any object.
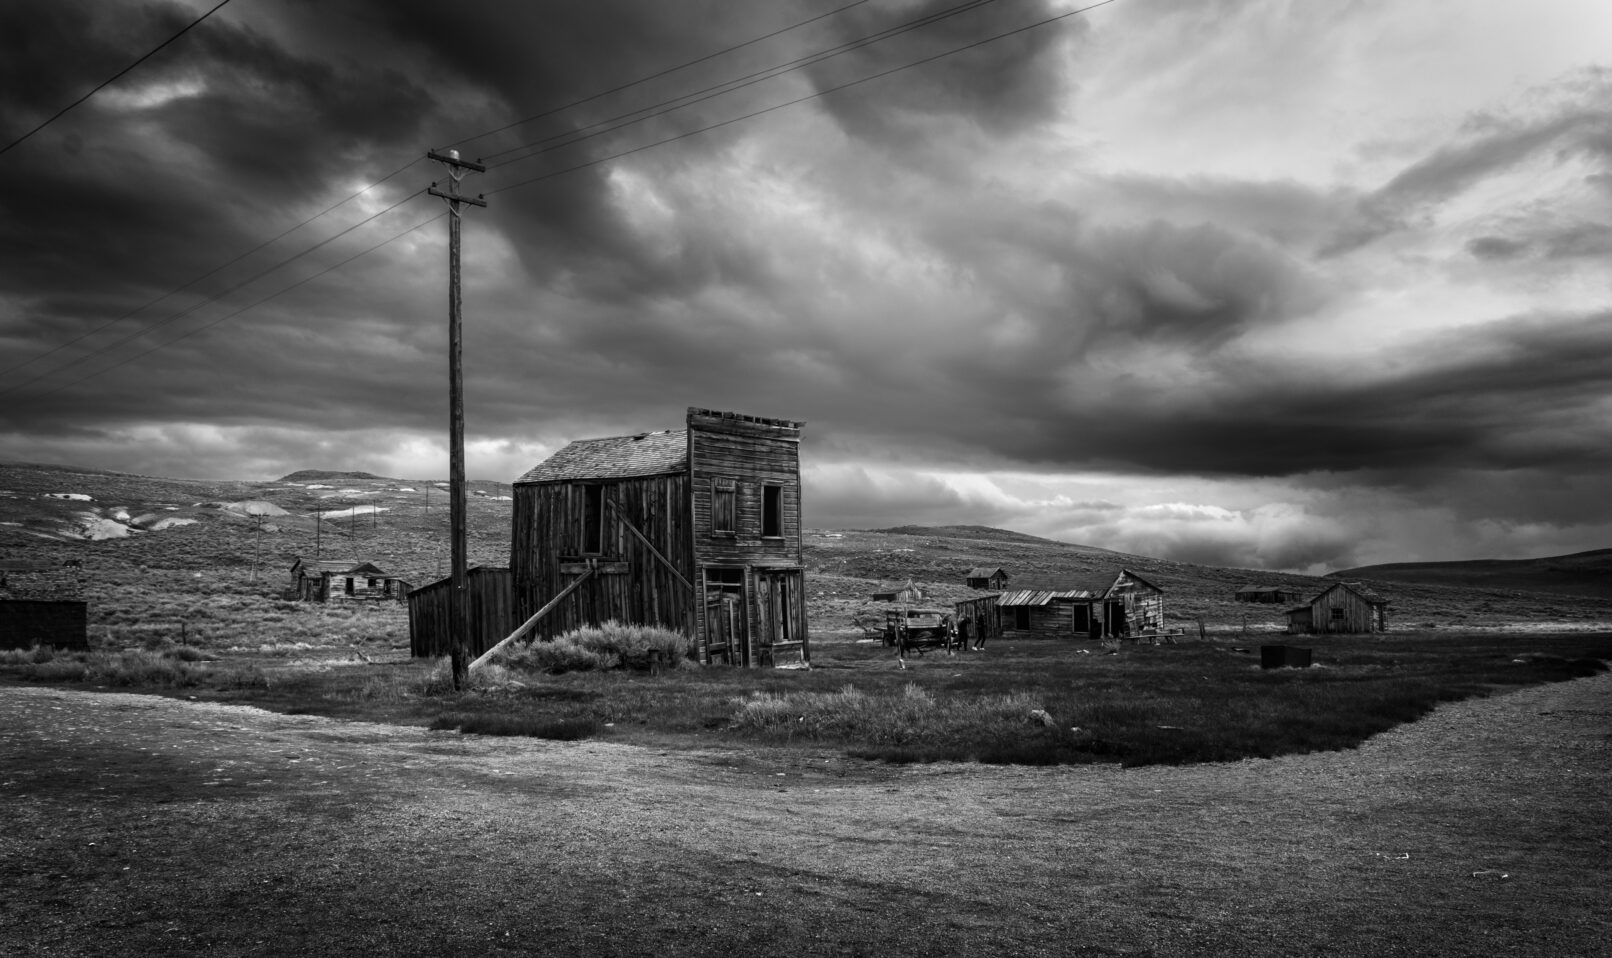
{"x":739,"y":83}
{"x":252,"y":305}
{"x":811,"y":96}
{"x":666,"y":72}
{"x":153,"y":52}
{"x":556,"y":173}
{"x":338,"y":204}
{"x":215,"y":271}
{"x":195,"y":306}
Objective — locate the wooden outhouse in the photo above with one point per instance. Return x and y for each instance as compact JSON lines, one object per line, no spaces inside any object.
{"x":983,"y":577}
{"x":340,"y":580}
{"x":1346,"y":607}
{"x":696,"y":530}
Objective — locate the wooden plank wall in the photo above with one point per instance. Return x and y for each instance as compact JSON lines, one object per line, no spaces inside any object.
{"x":62,"y":624}
{"x":754,"y":455}
{"x":1055,"y":620}
{"x":547,"y":538}
{"x":981,"y":613}
{"x":492,"y":613}
{"x":1358,"y":614}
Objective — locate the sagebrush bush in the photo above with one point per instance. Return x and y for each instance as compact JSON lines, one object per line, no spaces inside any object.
{"x":608,"y":646}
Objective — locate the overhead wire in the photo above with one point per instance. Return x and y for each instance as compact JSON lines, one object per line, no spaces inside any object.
{"x":172,"y":292}
{"x":664,"y":107}
{"x":114,"y":77}
{"x":560,"y":172}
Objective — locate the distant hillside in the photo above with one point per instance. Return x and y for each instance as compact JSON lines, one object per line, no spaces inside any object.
{"x":324,"y":475}
{"x":984,"y":533}
{"x":1582,"y":573}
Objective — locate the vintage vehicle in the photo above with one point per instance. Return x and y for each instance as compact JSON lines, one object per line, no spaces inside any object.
{"x":914,"y":630}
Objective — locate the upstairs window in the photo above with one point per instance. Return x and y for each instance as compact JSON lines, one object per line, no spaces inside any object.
{"x":772,"y":511}
{"x":724,"y":507}
{"x":592,"y":519}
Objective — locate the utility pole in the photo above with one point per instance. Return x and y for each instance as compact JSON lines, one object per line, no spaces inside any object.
{"x":458,"y":591}
{"x":318,"y":531}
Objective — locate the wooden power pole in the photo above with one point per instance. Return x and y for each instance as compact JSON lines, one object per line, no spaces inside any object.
{"x":458,"y":591}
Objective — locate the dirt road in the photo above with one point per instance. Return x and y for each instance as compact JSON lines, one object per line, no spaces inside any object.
{"x":138,"y":825}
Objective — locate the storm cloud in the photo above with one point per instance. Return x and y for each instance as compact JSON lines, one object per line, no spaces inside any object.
{"x":1237,"y":283}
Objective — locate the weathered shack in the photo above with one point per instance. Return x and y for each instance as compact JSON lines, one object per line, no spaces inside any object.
{"x":1346,"y":607}
{"x":340,"y":580}
{"x":696,"y":530}
{"x":985,"y":577}
{"x":903,"y":593}
{"x":1120,"y":606}
{"x":492,"y":613}
{"x":1268,"y":594}
{"x":41,"y":604}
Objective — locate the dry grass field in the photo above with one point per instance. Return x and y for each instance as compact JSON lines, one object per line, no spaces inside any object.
{"x":288,"y":782}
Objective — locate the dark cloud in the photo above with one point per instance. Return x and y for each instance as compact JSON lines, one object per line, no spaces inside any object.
{"x":1496,"y":247}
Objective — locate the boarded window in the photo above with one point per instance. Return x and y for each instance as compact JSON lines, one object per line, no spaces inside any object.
{"x":772,"y":511}
{"x":724,"y":508}
{"x":592,"y":519}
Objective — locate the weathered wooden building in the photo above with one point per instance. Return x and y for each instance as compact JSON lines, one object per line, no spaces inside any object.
{"x":1122,"y":606}
{"x":492,"y":613}
{"x":696,"y":530}
{"x":981,"y":616}
{"x":340,"y":580}
{"x":907,"y":592}
{"x":41,"y":604}
{"x":984,"y":577}
{"x":1346,"y":607}
{"x":1268,"y":594}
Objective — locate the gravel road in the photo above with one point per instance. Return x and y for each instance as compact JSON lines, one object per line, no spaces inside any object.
{"x":145,"y":825}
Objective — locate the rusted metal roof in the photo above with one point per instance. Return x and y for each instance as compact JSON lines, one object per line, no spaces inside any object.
{"x":616,"y":457}
{"x":1023,"y":597}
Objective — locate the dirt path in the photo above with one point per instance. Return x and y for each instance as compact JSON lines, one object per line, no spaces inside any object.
{"x":143,"y":825}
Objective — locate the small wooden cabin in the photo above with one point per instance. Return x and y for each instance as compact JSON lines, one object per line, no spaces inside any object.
{"x":1270,"y":594}
{"x":982,"y":577}
{"x":1346,"y":607}
{"x":696,"y":530}
{"x":492,"y":613}
{"x":341,"y":580}
{"x":1122,"y":606}
{"x":41,"y":604}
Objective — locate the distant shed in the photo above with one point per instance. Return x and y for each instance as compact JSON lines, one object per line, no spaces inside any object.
{"x":1123,"y":605}
{"x":338,"y":580}
{"x":1268,"y":594}
{"x":1347,"y":607}
{"x":492,"y":613}
{"x":905,"y":593}
{"x":986,"y":577}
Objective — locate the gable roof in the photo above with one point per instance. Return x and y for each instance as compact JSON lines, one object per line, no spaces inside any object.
{"x":1355,"y":587}
{"x":616,"y":457}
{"x":984,"y":572}
{"x":315,"y":567}
{"x":1035,"y":597}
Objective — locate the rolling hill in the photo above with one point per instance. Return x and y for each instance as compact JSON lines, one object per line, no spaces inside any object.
{"x":1582,"y":573}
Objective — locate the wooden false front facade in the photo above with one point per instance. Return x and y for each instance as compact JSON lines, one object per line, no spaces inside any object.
{"x":695,"y":530}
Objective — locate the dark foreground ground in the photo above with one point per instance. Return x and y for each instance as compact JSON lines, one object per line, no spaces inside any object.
{"x":138,"y":825}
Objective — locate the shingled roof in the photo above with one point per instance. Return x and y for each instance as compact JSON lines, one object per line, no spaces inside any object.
{"x":617,"y":457}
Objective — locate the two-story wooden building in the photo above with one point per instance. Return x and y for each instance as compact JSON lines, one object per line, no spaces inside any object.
{"x":696,"y":530}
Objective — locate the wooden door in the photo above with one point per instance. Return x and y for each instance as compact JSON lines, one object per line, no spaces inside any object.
{"x":781,"y":611}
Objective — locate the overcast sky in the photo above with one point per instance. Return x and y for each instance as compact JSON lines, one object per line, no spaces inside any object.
{"x":1275,"y":284}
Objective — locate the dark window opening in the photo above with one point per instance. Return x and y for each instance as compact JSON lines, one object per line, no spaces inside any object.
{"x":1021,"y":617}
{"x":772,"y":511}
{"x":715,"y":576}
{"x":1081,"y":621}
{"x":349,"y":586}
{"x":592,"y":520}
{"x":1337,"y":614}
{"x":724,"y":510}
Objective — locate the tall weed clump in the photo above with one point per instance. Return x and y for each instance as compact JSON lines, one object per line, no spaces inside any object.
{"x":612,"y":645}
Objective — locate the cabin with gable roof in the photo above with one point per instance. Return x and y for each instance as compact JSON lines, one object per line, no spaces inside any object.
{"x":696,"y":530}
